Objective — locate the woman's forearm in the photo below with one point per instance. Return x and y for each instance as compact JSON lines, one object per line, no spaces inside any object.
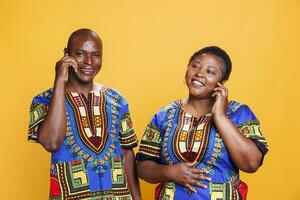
{"x":152,"y":172}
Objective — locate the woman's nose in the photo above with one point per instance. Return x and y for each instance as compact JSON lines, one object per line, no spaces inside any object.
{"x":199,"y":73}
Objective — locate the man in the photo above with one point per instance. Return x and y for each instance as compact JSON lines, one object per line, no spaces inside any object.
{"x":87,"y":128}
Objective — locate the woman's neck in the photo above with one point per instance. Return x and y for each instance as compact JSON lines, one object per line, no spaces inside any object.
{"x":198,"y":107}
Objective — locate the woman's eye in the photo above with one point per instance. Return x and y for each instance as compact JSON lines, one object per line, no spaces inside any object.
{"x":210,"y":72}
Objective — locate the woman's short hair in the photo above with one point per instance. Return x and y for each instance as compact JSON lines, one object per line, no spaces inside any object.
{"x":220,"y":53}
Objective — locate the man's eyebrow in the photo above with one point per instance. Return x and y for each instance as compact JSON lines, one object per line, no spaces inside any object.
{"x":86,"y":51}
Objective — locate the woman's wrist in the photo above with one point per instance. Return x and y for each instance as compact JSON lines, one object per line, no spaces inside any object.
{"x":167,"y":171}
{"x":219,"y":116}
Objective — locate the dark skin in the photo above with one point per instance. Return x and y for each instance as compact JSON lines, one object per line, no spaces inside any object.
{"x":206,"y":95}
{"x":75,"y":72}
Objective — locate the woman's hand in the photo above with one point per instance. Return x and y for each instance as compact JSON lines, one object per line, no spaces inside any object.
{"x":62,"y":68}
{"x":186,"y":175}
{"x":221,"y":103}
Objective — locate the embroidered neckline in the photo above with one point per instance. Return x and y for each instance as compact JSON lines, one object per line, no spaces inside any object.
{"x":180,"y":105}
{"x":98,"y":159}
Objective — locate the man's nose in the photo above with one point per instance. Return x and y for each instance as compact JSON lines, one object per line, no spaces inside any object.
{"x":88,"y":59}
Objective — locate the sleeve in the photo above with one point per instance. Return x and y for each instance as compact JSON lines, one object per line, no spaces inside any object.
{"x":249,"y":126}
{"x":127,"y":136}
{"x":151,"y":142}
{"x":37,"y":114}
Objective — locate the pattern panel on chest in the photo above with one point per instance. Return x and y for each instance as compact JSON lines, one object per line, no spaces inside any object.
{"x":191,"y":137}
{"x":91,"y":120}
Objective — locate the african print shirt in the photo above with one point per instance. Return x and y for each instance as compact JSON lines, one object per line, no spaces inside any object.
{"x":175,"y":136}
{"x":89,"y":163}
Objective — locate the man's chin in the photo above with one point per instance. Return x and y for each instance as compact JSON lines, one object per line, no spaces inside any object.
{"x":84,"y":80}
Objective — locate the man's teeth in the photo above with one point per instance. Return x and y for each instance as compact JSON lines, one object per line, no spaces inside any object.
{"x":198,"y":83}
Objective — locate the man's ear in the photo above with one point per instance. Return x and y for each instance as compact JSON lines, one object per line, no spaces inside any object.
{"x":66,"y":52}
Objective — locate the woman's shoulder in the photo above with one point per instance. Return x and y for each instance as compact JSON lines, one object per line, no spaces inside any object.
{"x":168,"y":110}
{"x":240,"y":112}
{"x":234,"y":106}
{"x":172,"y":106}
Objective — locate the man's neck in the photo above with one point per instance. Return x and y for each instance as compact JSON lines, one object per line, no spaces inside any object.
{"x":77,"y":86}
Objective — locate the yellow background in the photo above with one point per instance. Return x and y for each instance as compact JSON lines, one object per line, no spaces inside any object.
{"x":146,"y":48}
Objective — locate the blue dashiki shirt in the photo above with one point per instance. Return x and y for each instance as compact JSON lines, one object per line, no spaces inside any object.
{"x":175,"y":136}
{"x":89,"y":163}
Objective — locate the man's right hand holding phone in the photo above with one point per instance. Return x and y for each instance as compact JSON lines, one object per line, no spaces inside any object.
{"x":63,"y":66}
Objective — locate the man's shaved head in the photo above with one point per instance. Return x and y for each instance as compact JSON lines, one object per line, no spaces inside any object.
{"x":87,"y":33}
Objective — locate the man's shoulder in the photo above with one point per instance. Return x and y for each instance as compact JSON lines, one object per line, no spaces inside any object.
{"x":114,"y":93}
{"x":44,"y":96}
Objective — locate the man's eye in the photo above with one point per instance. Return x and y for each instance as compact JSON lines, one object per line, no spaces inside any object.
{"x":79,"y":53}
{"x":97,"y":55}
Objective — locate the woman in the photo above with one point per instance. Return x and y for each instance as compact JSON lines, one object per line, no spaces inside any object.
{"x":196,"y":146}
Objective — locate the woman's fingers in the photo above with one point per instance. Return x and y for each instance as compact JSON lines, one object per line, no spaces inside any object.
{"x":224,"y":88}
{"x":217,"y":94}
{"x":221,"y":90}
{"x":202,"y":176}
{"x":199,"y":171}
{"x":190,"y":188}
{"x":200,"y":185}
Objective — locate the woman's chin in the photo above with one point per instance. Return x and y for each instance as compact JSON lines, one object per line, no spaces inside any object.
{"x":199,"y":95}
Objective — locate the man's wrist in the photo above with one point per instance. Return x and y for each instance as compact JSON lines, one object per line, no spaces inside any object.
{"x":59,"y":82}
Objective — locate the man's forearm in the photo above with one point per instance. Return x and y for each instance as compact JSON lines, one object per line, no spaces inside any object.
{"x":131,"y":174}
{"x":52,"y":130}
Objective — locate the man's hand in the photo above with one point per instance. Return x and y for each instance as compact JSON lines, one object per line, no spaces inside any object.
{"x":63,"y":66}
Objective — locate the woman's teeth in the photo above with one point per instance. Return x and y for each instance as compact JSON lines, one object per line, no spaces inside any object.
{"x":197,"y":83}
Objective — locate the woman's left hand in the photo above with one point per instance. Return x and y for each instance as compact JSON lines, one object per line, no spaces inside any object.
{"x":221,"y":103}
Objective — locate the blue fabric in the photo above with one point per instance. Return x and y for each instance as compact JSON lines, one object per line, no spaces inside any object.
{"x":216,"y":158}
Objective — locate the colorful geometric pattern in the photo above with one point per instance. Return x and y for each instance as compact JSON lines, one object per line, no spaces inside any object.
{"x":166,"y":191}
{"x":77,"y":141}
{"x":174,"y":136}
{"x":224,"y":191}
{"x":119,"y":180}
{"x":128,"y":139}
{"x":37,"y":115}
{"x":251,"y":129}
{"x":91,"y":117}
{"x":150,"y":144}
{"x":73,"y":180}
{"x":191,"y":137}
{"x":88,"y":165}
